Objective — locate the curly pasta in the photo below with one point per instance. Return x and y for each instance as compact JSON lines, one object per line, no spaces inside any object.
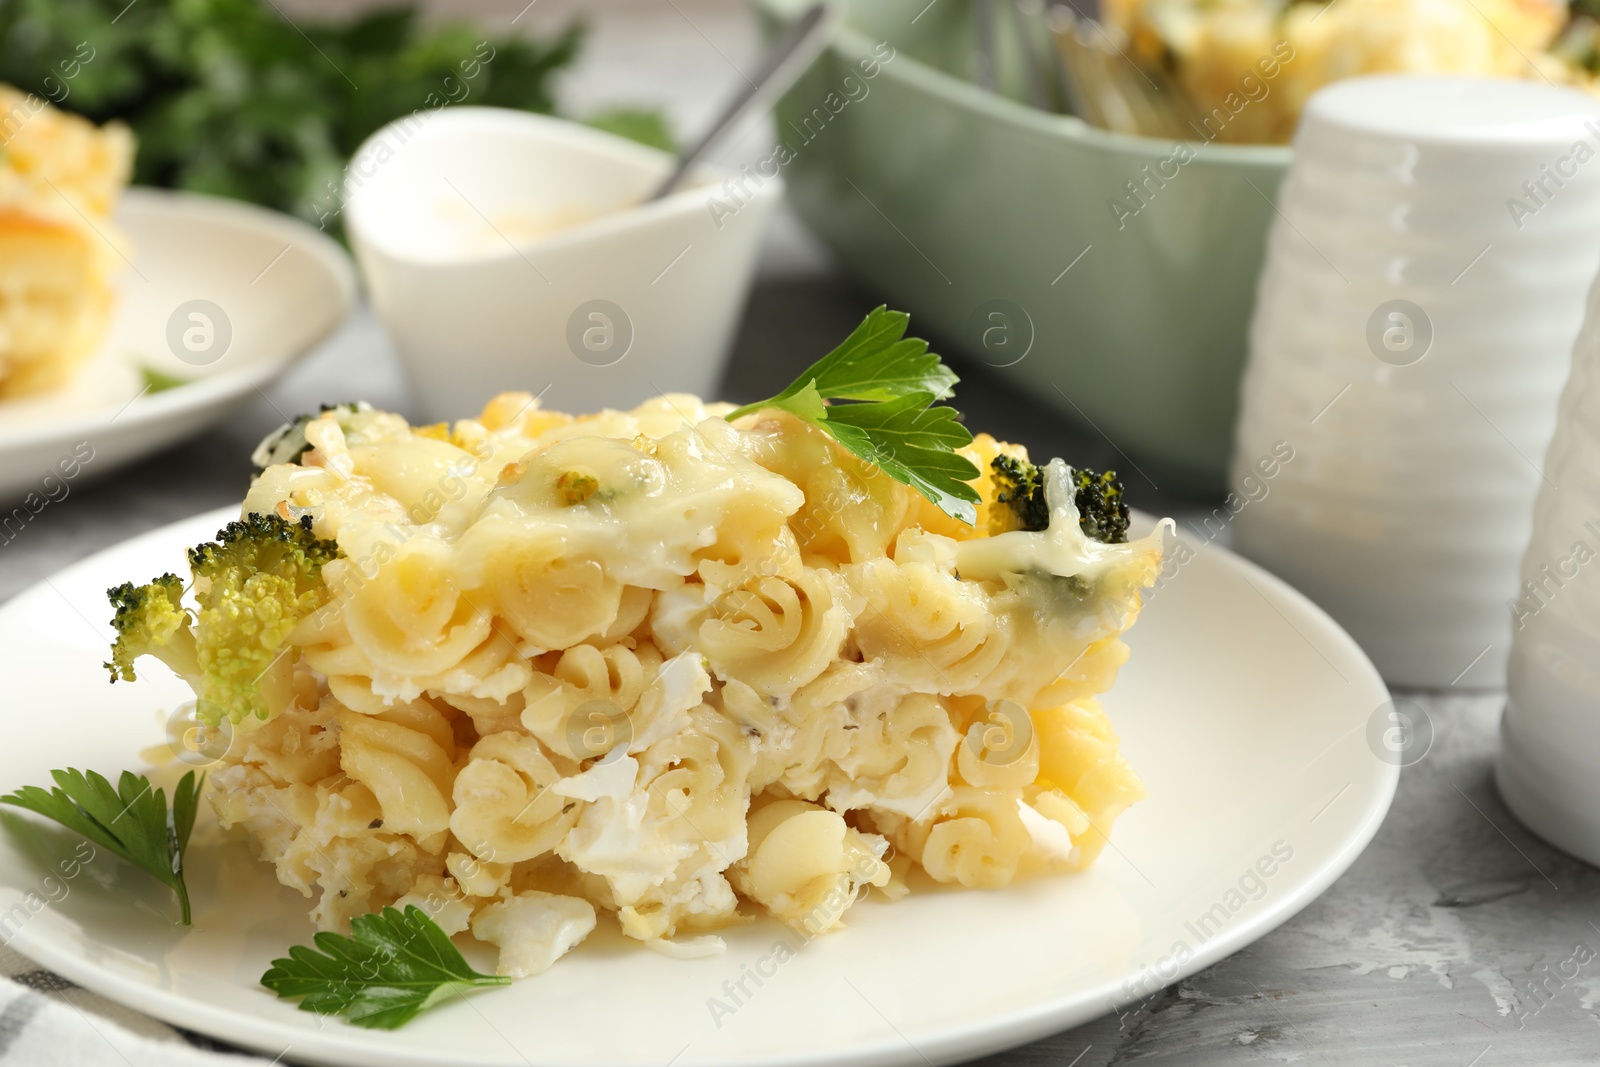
{"x":406,"y":758}
{"x":655,"y":667}
{"x":504,"y":809}
{"x":977,"y":838}
{"x":774,"y":634}
{"x":548,"y":597}
{"x":932,"y":631}
{"x":898,"y":757}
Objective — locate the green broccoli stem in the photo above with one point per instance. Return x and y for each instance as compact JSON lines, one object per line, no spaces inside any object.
{"x":181,"y":655}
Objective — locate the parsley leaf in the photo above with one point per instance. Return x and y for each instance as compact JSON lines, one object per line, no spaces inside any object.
{"x":896,"y":380}
{"x":876,"y":362}
{"x":130,"y":820}
{"x":392,"y":967}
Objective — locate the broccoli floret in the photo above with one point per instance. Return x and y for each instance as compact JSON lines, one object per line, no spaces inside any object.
{"x":150,"y":620}
{"x":1102,"y":510}
{"x":252,"y":585}
{"x":288,"y":442}
{"x":263,"y":543}
{"x":1021,"y":505}
{"x":1019,"y":488}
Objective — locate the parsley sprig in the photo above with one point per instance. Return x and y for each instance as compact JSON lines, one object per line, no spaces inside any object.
{"x":130,"y":820}
{"x":394,"y":965}
{"x":894,"y":380}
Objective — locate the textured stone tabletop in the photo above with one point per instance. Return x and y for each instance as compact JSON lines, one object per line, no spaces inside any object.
{"x":1456,"y":939}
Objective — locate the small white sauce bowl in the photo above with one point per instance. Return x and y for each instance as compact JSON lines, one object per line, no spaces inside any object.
{"x":506,"y":250}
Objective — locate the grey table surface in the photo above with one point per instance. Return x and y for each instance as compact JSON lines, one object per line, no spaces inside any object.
{"x":1444,"y":944}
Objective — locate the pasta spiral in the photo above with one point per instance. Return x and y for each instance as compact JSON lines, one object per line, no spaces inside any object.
{"x":411,"y":618}
{"x":774,"y":634}
{"x":800,"y":738}
{"x":551,"y":598}
{"x":899,"y":755}
{"x":977,"y":839}
{"x":698,"y":781}
{"x":932,"y":631}
{"x":406,"y":757}
{"x":594,"y":698}
{"x":504,"y":810}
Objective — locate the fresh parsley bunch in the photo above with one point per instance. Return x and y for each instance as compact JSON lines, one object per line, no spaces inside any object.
{"x":232,"y":98}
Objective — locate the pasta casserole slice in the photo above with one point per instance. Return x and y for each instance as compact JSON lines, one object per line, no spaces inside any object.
{"x":533,"y":667}
{"x":60,"y":179}
{"x":1247,"y":67}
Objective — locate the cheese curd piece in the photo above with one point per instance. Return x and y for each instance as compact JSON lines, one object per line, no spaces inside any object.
{"x":533,"y":930}
{"x":476,"y":877}
{"x":441,"y":898}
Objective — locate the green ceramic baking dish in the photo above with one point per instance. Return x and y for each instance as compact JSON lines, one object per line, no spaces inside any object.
{"x":1014,"y":235}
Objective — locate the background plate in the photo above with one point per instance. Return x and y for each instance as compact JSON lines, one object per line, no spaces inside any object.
{"x":282,"y":285}
{"x":1244,"y":706}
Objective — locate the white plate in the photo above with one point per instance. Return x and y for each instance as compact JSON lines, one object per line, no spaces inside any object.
{"x":1244,"y":706}
{"x":282,"y":285}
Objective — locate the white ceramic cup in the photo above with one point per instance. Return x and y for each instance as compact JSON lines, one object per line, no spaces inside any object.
{"x":1549,"y":766}
{"x":1414,"y":322}
{"x":506,"y":250}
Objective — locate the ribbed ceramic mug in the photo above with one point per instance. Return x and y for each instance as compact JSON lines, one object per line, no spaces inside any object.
{"x":1549,"y":768}
{"x":1424,"y":283}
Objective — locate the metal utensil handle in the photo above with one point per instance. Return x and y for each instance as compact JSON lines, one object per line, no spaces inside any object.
{"x":775,"y":74}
